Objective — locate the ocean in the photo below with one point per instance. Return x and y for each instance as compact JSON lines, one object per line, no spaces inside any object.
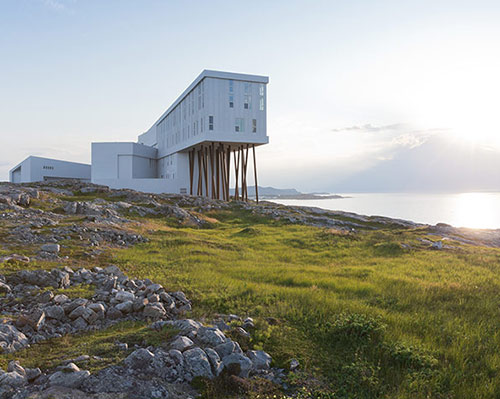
{"x":474,"y":210}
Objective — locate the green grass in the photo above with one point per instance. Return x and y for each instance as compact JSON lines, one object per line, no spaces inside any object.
{"x":364,"y":315}
{"x":99,"y":345}
{"x":431,"y":316}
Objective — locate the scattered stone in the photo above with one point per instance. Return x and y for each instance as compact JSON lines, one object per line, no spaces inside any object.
{"x":238,"y":364}
{"x":294,"y":364}
{"x":51,"y":248}
{"x":140,"y":359}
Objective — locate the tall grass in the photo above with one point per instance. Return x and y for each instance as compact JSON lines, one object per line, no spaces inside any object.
{"x":436,"y":314}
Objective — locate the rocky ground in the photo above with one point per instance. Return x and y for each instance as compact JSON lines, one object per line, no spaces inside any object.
{"x":42,"y":222}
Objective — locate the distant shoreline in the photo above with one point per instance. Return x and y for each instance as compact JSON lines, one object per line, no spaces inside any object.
{"x":302,"y":196}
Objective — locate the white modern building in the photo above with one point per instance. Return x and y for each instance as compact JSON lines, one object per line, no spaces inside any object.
{"x":192,"y":148}
{"x":198,"y":145}
{"x":35,"y":169}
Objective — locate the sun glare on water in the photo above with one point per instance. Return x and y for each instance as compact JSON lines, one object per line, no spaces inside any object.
{"x":474,"y":210}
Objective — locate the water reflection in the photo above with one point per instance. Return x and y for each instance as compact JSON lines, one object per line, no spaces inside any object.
{"x":475,"y":210}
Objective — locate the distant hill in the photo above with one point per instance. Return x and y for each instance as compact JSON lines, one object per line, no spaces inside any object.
{"x":436,"y":165}
{"x":283,"y":193}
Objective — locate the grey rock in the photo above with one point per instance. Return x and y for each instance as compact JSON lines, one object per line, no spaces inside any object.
{"x":125,"y":307}
{"x":15,"y":366}
{"x":182,"y":343}
{"x":215,"y":361}
{"x":68,"y":379}
{"x":54,"y":312}
{"x":123,"y":296}
{"x":238,"y":363}
{"x":80,"y":323}
{"x":4,"y":288}
{"x":33,"y":374}
{"x":227,"y":348}
{"x":11,"y":339}
{"x":154,"y":311}
{"x":260,"y":360}
{"x":197,"y":363}
{"x":12,"y":380}
{"x":77,"y":312}
{"x":34,"y":319}
{"x":211,"y":336}
{"x":114,"y":314}
{"x":294,"y":364}
{"x":52,"y":248}
{"x":187,"y":325}
{"x":60,"y":299}
{"x":139,"y":359}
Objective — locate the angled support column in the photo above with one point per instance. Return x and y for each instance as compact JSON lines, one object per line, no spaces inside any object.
{"x":255,"y":174}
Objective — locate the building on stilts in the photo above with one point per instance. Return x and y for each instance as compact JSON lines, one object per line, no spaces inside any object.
{"x":201,"y":145}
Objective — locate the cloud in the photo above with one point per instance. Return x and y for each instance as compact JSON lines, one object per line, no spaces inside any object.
{"x":369,"y":128}
{"x":59,"y":5}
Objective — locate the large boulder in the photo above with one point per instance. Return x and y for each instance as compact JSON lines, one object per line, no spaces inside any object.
{"x":238,"y":364}
{"x":182,"y":343}
{"x":260,"y":360}
{"x":69,"y":379}
{"x":139,"y":359}
{"x":12,"y":379}
{"x":54,"y":312}
{"x":197,"y":363}
{"x":211,"y":336}
{"x":11,"y":339}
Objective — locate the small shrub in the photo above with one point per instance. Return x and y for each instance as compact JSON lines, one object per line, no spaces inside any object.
{"x":356,"y":327}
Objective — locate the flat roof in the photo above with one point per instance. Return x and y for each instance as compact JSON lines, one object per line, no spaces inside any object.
{"x":207,"y":73}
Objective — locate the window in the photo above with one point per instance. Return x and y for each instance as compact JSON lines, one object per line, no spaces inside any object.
{"x":261,"y":90}
{"x":261,"y":104}
{"x":48,"y":167}
{"x":247,"y":104}
{"x":239,"y":125}
{"x":231,"y":86}
{"x":247,"y":87}
{"x":231,"y":101}
{"x":254,"y":125}
{"x":201,"y":125}
{"x":211,"y":122}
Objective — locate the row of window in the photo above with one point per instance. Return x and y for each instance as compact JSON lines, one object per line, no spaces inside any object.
{"x":48,"y":167}
{"x":247,"y":99}
{"x":239,"y":125}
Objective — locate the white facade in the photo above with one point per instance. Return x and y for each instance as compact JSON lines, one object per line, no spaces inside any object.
{"x":219,"y":114}
{"x":35,"y":169}
{"x":215,"y":123}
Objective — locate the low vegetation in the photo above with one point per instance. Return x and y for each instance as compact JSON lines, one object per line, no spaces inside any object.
{"x":372,"y":314}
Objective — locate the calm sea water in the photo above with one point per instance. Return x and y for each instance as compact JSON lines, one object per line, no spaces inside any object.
{"x":476,"y":210}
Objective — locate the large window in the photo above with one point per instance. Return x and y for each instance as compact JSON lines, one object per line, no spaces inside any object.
{"x":261,"y":104}
{"x":211,"y":122}
{"x":254,"y":125}
{"x":231,"y":86}
{"x":239,"y":125}
{"x":231,"y":101}
{"x":247,"y":104}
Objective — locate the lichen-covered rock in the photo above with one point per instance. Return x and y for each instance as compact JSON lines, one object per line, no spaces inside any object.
{"x":197,"y":364}
{"x":211,"y":336}
{"x":238,"y":364}
{"x":11,"y":339}
{"x":182,"y":343}
{"x":260,"y":360}
{"x":140,"y":359}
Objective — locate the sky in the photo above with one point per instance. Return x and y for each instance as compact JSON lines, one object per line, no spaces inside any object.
{"x":354,"y":87}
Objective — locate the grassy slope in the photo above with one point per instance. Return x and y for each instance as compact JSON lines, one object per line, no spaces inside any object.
{"x":440,"y":308}
{"x":372,"y":319}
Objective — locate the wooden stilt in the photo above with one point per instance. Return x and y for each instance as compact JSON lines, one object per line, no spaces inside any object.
{"x":200,"y":176}
{"x":212,"y":174}
{"x":228,"y":171}
{"x":223,"y":171}
{"x":205,"y":167}
{"x":236,"y":170}
{"x":191,"y":171}
{"x":255,"y":175}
